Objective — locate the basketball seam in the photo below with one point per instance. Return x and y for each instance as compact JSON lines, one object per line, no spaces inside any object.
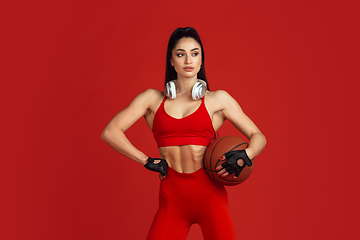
{"x":237,"y":146}
{"x":212,"y":173}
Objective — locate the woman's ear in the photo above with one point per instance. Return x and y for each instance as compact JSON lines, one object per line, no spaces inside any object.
{"x":172,"y":62}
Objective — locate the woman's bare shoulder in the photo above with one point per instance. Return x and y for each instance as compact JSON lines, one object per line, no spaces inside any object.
{"x":220,"y":100}
{"x":152,"y":92}
{"x":218,"y":95}
{"x":150,"y":95}
{"x":149,"y":99}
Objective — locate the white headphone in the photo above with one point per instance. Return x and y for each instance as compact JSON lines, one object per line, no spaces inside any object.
{"x":198,"y":90}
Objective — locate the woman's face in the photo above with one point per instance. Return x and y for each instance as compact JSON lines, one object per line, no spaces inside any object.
{"x":186,"y":57}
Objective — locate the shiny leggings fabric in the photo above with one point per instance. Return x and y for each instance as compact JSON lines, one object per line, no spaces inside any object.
{"x":188,"y":198}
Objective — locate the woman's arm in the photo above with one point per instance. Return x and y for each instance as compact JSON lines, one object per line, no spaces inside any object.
{"x":114,"y":132}
{"x":233,"y":112}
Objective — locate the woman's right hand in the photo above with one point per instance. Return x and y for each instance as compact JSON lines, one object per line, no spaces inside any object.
{"x":157,"y":165}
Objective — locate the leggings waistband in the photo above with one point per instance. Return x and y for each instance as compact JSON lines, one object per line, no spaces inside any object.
{"x":186,"y":178}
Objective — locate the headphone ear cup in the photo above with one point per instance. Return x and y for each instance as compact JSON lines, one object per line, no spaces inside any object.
{"x":170,"y":90}
{"x":199,"y":89}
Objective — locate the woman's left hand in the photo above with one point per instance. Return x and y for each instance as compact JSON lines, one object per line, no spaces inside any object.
{"x":235,"y":163}
{"x":161,"y":177}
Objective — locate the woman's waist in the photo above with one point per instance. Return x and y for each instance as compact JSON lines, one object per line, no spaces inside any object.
{"x":191,"y":183}
{"x":186,"y":178}
{"x":183,"y":154}
{"x":185,"y":166}
{"x":184,"y":159}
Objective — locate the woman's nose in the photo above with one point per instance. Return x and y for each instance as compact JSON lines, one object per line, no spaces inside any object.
{"x":188,"y":59}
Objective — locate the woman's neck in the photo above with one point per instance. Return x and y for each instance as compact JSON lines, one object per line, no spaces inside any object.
{"x":184,"y":85}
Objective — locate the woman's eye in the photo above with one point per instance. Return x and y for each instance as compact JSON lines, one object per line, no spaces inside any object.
{"x":180,"y":55}
{"x":195,"y":54}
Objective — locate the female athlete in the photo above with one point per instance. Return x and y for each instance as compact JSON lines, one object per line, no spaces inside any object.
{"x":184,"y":119}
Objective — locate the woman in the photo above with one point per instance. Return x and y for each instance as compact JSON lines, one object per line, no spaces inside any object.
{"x":184,"y":119}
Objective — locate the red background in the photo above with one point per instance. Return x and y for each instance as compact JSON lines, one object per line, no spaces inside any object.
{"x":70,"y":66}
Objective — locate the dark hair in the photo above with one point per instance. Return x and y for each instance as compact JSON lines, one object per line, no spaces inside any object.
{"x":179,"y":33}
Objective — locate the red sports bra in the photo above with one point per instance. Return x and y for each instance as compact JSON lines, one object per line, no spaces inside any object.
{"x":194,"y":129}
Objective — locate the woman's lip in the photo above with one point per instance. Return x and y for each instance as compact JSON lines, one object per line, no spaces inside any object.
{"x":188,"y":69}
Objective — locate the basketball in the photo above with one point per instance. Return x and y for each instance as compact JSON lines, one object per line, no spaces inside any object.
{"x":217,"y":149}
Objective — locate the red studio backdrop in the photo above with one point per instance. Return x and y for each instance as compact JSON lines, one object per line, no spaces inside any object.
{"x":70,"y":66}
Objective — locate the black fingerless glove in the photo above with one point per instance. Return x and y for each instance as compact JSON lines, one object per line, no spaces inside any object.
{"x":160,"y":167}
{"x":231,"y":165}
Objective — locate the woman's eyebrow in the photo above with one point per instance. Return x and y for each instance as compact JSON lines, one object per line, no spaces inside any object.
{"x":184,"y":49}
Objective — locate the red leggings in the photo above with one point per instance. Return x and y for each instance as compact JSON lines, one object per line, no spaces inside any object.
{"x":187,"y":198}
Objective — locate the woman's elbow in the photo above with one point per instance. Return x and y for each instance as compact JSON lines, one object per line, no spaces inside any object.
{"x":261,"y":138}
{"x":105,"y":135}
{"x":109,"y":134}
{"x":265,"y":141}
